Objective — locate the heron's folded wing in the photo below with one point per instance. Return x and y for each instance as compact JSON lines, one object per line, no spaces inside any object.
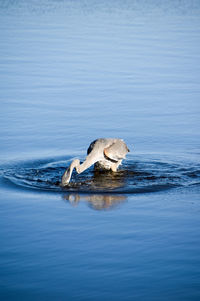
{"x":116,"y":151}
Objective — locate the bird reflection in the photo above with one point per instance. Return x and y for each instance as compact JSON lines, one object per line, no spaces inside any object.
{"x":96,"y":201}
{"x":100,"y":188}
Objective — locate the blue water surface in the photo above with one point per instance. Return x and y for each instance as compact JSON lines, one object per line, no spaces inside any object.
{"x":74,"y":71}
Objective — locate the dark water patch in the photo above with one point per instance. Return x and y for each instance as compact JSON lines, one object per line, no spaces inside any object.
{"x":137,"y":175}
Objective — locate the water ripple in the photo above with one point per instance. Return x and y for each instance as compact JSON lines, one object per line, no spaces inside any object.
{"x":137,"y":175}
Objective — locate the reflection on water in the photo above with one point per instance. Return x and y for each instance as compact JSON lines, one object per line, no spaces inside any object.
{"x":96,"y":201}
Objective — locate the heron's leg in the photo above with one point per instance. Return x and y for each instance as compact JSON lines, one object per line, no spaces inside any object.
{"x":115,"y":166}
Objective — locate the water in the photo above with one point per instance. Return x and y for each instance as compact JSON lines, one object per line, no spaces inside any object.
{"x":74,"y":71}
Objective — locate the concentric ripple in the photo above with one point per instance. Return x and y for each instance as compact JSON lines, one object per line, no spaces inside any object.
{"x":137,"y":175}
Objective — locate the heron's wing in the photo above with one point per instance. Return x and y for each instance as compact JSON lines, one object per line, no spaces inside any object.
{"x":116,"y":151}
{"x":91,"y":147}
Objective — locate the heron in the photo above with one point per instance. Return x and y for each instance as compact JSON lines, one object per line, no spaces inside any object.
{"x":104,"y":153}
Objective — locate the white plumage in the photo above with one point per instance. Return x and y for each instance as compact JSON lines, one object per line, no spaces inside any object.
{"x":104,"y":153}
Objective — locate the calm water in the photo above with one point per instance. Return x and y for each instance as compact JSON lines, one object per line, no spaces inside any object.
{"x":74,"y":71}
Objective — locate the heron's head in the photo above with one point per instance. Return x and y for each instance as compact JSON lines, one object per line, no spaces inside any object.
{"x":67,"y":175}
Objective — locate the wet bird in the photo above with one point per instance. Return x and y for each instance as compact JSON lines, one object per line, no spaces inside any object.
{"x":104,"y":153}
